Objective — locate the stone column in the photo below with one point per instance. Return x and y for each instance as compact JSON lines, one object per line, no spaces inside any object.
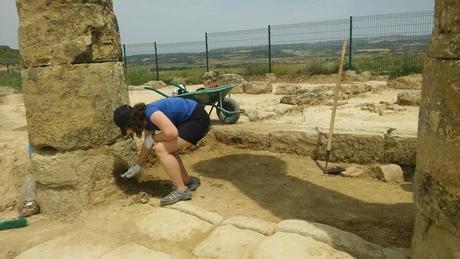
{"x":72,"y":81}
{"x":437,"y":178}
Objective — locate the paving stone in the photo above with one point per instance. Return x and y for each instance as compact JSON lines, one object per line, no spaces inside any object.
{"x":135,"y":251}
{"x":172,"y":225}
{"x":210,"y":217}
{"x":293,"y":246}
{"x":335,"y":237}
{"x":254,"y":224}
{"x":229,"y":242}
{"x":80,"y":244}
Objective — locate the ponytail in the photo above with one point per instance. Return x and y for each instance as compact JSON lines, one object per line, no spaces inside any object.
{"x":137,"y":119}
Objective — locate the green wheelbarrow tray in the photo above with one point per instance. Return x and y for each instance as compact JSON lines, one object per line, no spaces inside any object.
{"x":227,"y":109}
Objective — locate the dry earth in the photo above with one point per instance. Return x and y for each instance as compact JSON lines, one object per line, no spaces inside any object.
{"x":260,"y":184}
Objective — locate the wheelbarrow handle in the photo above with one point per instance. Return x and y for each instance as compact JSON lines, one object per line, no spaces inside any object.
{"x":180,"y":86}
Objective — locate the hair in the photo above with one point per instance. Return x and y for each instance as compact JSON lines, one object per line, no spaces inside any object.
{"x":137,"y":121}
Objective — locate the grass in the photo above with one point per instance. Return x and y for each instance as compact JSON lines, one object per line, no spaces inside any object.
{"x":11,"y":79}
{"x":393,"y":65}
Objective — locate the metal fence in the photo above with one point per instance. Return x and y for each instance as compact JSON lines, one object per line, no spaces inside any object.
{"x":384,"y":44}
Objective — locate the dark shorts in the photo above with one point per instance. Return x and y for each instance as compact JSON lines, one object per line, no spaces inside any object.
{"x":196,"y":126}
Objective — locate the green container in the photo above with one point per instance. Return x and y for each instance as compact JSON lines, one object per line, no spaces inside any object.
{"x":14,"y":223}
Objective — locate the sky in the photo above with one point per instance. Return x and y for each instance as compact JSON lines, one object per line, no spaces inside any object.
{"x":168,"y":21}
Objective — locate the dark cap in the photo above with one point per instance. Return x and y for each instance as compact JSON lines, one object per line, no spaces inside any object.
{"x":121,"y":117}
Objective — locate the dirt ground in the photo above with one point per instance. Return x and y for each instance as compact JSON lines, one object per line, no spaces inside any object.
{"x":261,"y":184}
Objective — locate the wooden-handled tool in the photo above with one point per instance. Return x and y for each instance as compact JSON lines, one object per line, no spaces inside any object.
{"x":335,"y":170}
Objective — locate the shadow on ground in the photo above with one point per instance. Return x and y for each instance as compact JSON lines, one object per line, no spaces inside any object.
{"x":264,"y":179}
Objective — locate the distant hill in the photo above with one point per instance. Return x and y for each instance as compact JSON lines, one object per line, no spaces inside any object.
{"x":8,"y":55}
{"x":296,"y":52}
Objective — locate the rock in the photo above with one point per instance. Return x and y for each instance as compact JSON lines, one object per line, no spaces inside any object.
{"x":76,"y":32}
{"x":292,"y":246}
{"x":210,"y":217}
{"x":409,"y":82}
{"x":172,"y":225}
{"x":290,"y":99}
{"x":354,"y":171}
{"x":135,"y":251}
{"x":71,"y":106}
{"x":254,"y":224}
{"x":229,"y":242}
{"x":400,"y":149}
{"x":396,"y":253}
{"x":437,"y":179}
{"x":234,"y":79}
{"x":210,"y":79}
{"x":350,"y":73}
{"x":287,"y":89}
{"x":270,"y":77}
{"x":355,"y":88}
{"x":276,"y":111}
{"x":366,"y":75}
{"x":73,"y":180}
{"x":409,"y":98}
{"x":445,"y":39}
{"x":339,"y":239}
{"x":78,"y":244}
{"x":258,"y":87}
{"x":388,"y":173}
{"x":156,"y":84}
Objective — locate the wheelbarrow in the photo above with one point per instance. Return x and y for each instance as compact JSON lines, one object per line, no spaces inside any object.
{"x":227,"y":109}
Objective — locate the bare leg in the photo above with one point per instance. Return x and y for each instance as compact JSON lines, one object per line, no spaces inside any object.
{"x":183,"y":171}
{"x":166,"y":153}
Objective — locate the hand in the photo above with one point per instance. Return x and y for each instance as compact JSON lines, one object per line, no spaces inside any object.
{"x":132,"y":171}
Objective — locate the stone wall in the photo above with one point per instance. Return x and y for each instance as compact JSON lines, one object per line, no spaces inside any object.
{"x":437,"y":179}
{"x":72,"y":82}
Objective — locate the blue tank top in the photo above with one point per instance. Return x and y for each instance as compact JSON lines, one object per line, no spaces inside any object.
{"x":177,"y":109}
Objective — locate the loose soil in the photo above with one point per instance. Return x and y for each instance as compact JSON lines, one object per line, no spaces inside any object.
{"x":266,"y":185}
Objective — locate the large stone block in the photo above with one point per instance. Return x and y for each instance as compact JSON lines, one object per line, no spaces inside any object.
{"x":71,"y":107}
{"x":439,"y":124}
{"x":445,"y":40}
{"x":81,"y":31}
{"x":437,"y":177}
{"x":68,"y":182}
{"x":431,"y":241}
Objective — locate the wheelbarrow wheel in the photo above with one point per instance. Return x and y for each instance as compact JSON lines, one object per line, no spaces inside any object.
{"x":230,"y":105}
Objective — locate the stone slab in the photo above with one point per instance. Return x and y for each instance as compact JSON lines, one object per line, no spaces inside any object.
{"x":78,"y":244}
{"x":135,"y":251}
{"x":294,"y":246}
{"x":228,"y":242}
{"x":254,"y":224}
{"x":335,"y":237}
{"x":172,"y":225}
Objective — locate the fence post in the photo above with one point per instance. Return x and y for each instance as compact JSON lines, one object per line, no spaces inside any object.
{"x":156,"y":61}
{"x":269,"y":50}
{"x":207,"y":54}
{"x":350,"y":46}
{"x":125,"y":65}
